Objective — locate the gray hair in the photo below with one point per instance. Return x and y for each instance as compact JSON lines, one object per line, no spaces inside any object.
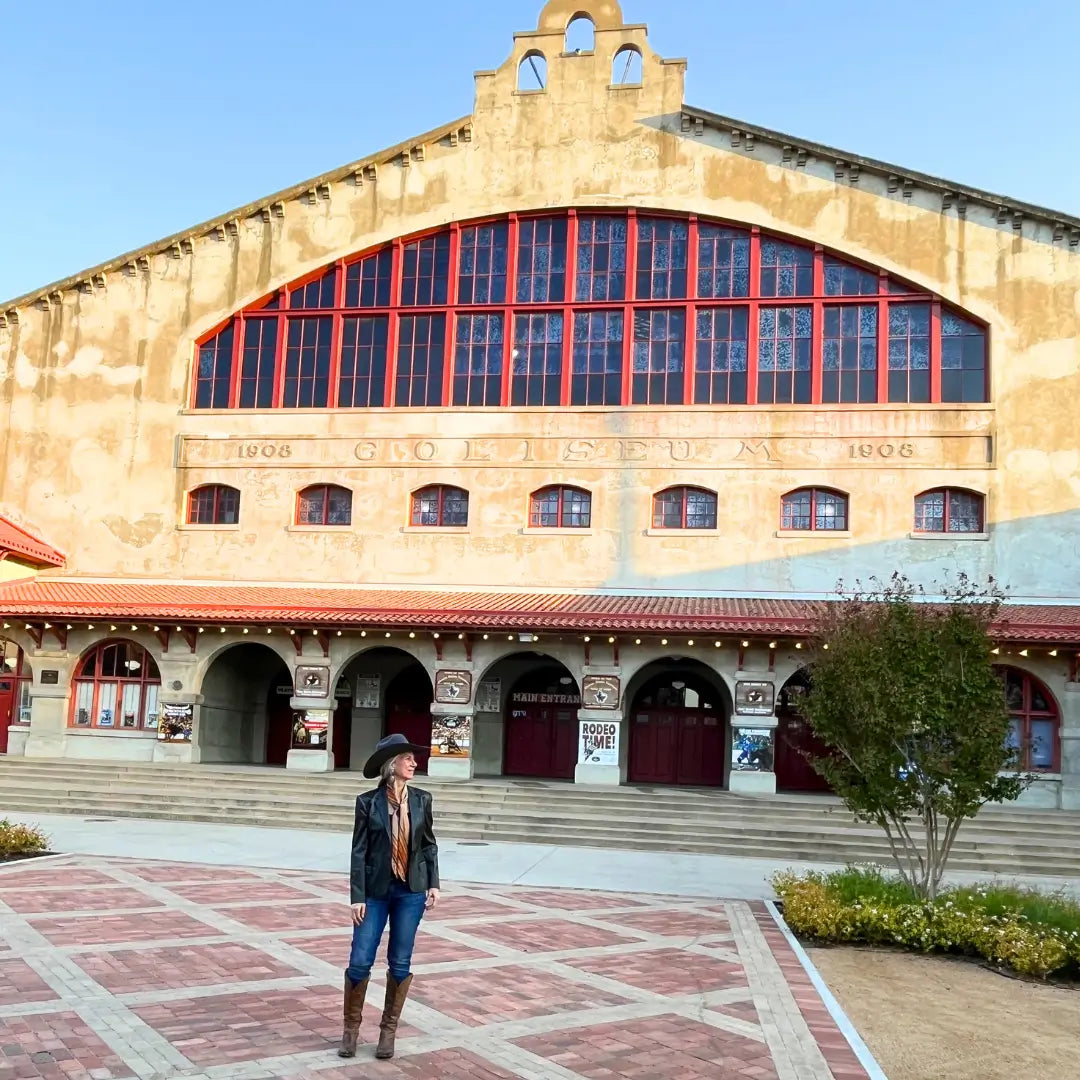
{"x":388,"y":768}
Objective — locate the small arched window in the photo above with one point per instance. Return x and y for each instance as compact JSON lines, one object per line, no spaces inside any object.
{"x":684,"y":508}
{"x":814,"y":510}
{"x":626,"y":68}
{"x":214,"y":504}
{"x":440,"y":506}
{"x":532,"y":72}
{"x":580,"y":35}
{"x":324,"y":504}
{"x":949,"y":510}
{"x":116,"y":686}
{"x":1034,"y":722}
{"x":560,"y":507}
{"x":15,"y":680}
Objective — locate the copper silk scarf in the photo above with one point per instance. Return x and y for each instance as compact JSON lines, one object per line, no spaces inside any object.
{"x":399,"y":832}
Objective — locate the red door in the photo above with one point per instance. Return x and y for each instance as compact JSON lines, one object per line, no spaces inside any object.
{"x":342,"y":734}
{"x":541,"y":740}
{"x":416,"y":727}
{"x":794,"y":740}
{"x":677,"y":746}
{"x":279,"y":724}
{"x":8,"y":697}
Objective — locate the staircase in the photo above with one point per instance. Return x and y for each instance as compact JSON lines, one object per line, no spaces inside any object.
{"x":708,"y":822}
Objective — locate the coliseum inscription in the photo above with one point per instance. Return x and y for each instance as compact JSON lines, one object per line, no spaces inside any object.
{"x":959,"y":450}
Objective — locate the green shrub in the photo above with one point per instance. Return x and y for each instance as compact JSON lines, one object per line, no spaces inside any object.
{"x":18,"y":839}
{"x":1033,"y":933}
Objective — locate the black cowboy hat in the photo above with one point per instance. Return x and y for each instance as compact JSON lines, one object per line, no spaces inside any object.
{"x":388,"y":748}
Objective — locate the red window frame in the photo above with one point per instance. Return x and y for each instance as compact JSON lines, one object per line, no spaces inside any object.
{"x":1024,"y":715}
{"x":724,"y":269}
{"x":580,"y":506}
{"x":445,"y":494}
{"x":683,"y":494}
{"x":148,"y":676}
{"x":325,"y":492}
{"x":816,"y":498}
{"x":218,"y":494}
{"x":21,"y":675}
{"x":948,"y":494}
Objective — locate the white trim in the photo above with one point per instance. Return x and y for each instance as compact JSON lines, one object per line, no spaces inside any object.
{"x":948,"y":536}
{"x":564,"y":530}
{"x":459,"y":530}
{"x":187,"y":526}
{"x":840,"y":1018}
{"x":714,"y":533}
{"x":813,"y":534}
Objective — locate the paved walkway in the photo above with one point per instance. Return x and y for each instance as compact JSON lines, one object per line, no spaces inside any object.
{"x":125,"y":967}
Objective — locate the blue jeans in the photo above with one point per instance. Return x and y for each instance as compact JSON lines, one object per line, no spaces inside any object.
{"x":404,"y":909}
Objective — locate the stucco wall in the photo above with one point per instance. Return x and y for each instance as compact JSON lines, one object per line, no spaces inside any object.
{"x":100,"y":444}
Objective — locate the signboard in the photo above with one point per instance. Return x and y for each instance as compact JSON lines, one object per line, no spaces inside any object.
{"x":368,"y":691}
{"x":598,"y":743}
{"x":453,"y":687}
{"x":489,"y":696}
{"x":600,"y":692}
{"x":451,"y":736}
{"x":754,"y":698}
{"x":343,"y":691}
{"x":312,"y":682}
{"x":309,"y":729}
{"x":752,"y":749}
{"x":50,"y":677}
{"x":175,"y":722}
{"x":546,"y":699}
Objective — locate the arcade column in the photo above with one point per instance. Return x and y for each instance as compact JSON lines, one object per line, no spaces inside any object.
{"x":311,"y":735}
{"x":753,"y":738}
{"x":601,"y":731}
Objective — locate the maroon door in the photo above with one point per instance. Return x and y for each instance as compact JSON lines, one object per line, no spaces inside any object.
{"x":677,"y":746}
{"x":342,"y":734}
{"x":541,"y":740}
{"x":794,"y":740}
{"x":8,"y":687}
{"x":415,"y":726}
{"x":279,"y":723}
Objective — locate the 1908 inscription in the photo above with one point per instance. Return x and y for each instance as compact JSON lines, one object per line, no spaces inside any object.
{"x":958,"y":450}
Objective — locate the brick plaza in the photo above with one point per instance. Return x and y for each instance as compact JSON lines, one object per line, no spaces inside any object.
{"x":117,"y":968}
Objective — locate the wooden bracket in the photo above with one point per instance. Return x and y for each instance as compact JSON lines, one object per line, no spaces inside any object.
{"x":189,"y":636}
{"x":36,"y":634}
{"x":162,"y":634}
{"x":298,"y":643}
{"x":615,"y":652}
{"x":61,"y":635}
{"x":438,"y":648}
{"x":468,"y":647}
{"x":742,"y":658}
{"x":588,"y":653}
{"x":323,"y":638}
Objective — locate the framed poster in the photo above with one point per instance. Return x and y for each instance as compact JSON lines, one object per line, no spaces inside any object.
{"x":175,"y":722}
{"x":313,"y":682}
{"x":368,"y":693}
{"x":451,"y":736}
{"x":489,"y":696}
{"x":600,"y":692}
{"x":453,"y":687}
{"x":754,"y":698}
{"x":752,"y":749}
{"x":598,"y":743}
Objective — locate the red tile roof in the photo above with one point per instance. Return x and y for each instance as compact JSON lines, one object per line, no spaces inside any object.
{"x":418,"y":609}
{"x":16,"y":540}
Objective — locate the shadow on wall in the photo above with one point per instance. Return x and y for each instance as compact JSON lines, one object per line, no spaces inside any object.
{"x":1036,"y":558}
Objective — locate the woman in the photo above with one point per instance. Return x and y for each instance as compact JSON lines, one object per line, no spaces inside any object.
{"x":394,"y":876}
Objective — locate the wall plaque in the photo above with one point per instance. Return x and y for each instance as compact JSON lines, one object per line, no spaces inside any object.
{"x":453,"y":687}
{"x":50,"y":677}
{"x":754,"y":698}
{"x":600,"y":692}
{"x":175,"y":722}
{"x":368,"y":693}
{"x":489,"y":696}
{"x":312,"y":682}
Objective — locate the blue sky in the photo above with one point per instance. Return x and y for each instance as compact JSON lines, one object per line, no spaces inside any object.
{"x":128,"y":120}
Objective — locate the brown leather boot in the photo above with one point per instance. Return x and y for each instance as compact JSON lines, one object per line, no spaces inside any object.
{"x":354,"y":1013}
{"x":396,"y":993}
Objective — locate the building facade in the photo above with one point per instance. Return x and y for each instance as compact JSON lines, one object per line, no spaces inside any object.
{"x":538,"y":437}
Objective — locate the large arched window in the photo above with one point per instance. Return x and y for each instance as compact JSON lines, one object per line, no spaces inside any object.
{"x":684,"y":508}
{"x":582,"y":308}
{"x":15,"y":681}
{"x":214,"y":504}
{"x":440,"y":506}
{"x":814,"y":510}
{"x":949,"y":510}
{"x":1034,"y":719}
{"x":560,"y":507}
{"x":116,"y":687}
{"x":324,"y":504}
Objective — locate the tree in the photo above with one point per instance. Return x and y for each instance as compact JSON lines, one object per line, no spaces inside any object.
{"x":905,"y":696}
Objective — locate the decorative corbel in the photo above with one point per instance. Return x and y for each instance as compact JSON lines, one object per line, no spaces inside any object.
{"x":438,"y":642}
{"x":297,"y":643}
{"x":323,"y":638}
{"x":162,"y":634}
{"x":322,"y":191}
{"x":232,"y":227}
{"x":36,"y":634}
{"x":801,"y":156}
{"x":278,"y":209}
{"x":189,"y":636}
{"x":61,"y":635}
{"x":467,"y":641}
{"x":909,"y":187}
{"x":685,"y":122}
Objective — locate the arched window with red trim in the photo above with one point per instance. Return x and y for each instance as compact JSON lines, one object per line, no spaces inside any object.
{"x":560,"y":507}
{"x":949,"y":510}
{"x":214,"y":504}
{"x":814,"y":510}
{"x":1034,"y":722}
{"x":324,"y":504}
{"x":684,"y":508}
{"x":116,"y":688}
{"x":440,"y":506}
{"x":15,"y":681}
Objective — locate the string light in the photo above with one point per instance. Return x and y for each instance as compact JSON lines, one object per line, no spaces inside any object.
{"x":246,"y":630}
{"x":1053,"y":652}
{"x":798,"y":644}
{"x":269,"y":630}
{"x":690,"y":642}
{"x":435,"y":636}
{"x":718,"y":644}
{"x":1023,"y":652}
{"x":223,"y":629}
{"x":485,"y":637}
{"x":772,"y":644}
{"x":637,"y":641}
{"x":611,"y":641}
{"x":587,"y":638}
{"x":363,"y":633}
{"x":387,"y":633}
{"x":663,"y":641}
{"x":412,"y":633}
{"x":746,"y":644}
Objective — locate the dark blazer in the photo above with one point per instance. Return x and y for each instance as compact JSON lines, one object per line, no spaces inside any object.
{"x":370,"y":874}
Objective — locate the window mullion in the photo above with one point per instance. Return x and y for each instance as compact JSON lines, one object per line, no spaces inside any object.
{"x":935,"y":351}
{"x":817,"y":330}
{"x":393,"y":328}
{"x":570,"y":279}
{"x":234,"y":373}
{"x":450,"y":327}
{"x":754,"y":320}
{"x":628,"y":308}
{"x":335,"y":339}
{"x":883,"y":339}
